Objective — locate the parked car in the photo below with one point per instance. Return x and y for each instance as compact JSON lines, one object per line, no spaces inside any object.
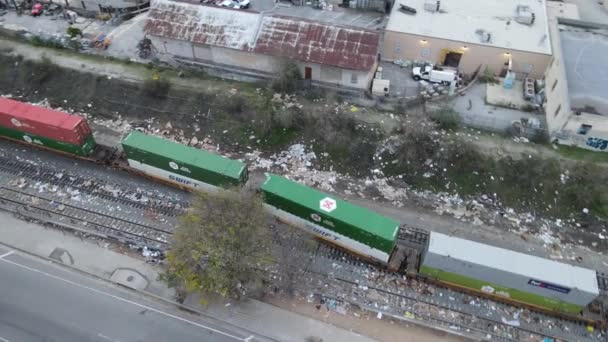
{"x":36,"y":9}
{"x":236,"y":4}
{"x":434,"y":74}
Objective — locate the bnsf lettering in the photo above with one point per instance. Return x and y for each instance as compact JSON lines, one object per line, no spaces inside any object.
{"x":181,"y":180}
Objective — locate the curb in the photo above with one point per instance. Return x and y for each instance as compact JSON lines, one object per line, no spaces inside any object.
{"x":141,"y":292}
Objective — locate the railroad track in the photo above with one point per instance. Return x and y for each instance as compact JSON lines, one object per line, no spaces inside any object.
{"x":170,"y":208}
{"x":349,"y":270}
{"x":49,"y":210}
{"x":52,"y":211}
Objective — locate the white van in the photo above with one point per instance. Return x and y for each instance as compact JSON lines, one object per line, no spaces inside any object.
{"x":434,"y":74}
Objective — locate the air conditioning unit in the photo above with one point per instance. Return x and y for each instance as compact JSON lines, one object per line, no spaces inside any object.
{"x":524,"y":15}
{"x":432,"y":6}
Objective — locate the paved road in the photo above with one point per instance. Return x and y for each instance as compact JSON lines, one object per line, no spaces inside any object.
{"x":42,"y":302}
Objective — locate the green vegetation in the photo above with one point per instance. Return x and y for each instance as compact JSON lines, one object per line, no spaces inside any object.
{"x":446,"y":118}
{"x":526,"y":183}
{"x":50,"y":43}
{"x":74,"y":32}
{"x":287,"y":78}
{"x":156,"y":86}
{"x":219,"y":246}
{"x":488,"y":76}
{"x":42,"y":71}
{"x":577,"y":153}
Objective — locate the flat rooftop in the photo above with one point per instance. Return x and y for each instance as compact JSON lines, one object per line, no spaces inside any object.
{"x":514,"y":262}
{"x":468,"y":21}
{"x":584,"y":51}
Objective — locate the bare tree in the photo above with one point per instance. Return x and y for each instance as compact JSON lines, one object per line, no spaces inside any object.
{"x":220,"y":245}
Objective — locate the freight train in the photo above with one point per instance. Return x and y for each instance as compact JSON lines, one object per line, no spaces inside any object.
{"x":451,"y":261}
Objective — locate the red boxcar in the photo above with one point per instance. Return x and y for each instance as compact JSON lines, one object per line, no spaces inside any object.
{"x":43,"y":122}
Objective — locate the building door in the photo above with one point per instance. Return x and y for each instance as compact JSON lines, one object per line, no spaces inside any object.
{"x":307,"y":73}
{"x":452,"y":59}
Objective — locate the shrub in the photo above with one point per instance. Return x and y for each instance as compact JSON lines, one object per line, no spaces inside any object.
{"x":446,"y":118}
{"x":74,"y":31}
{"x":488,"y":76}
{"x":156,"y":87}
{"x":287,"y":78}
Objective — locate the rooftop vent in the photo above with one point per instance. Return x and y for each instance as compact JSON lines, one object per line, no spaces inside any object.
{"x":484,"y":36}
{"x":407,"y":9}
{"x":432,"y":6}
{"x":524,"y":15}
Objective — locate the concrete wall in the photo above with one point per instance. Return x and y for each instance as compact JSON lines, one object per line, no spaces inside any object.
{"x":334,"y":76}
{"x":410,"y":47}
{"x":563,"y":124}
{"x":557,"y":106}
{"x":595,"y":139}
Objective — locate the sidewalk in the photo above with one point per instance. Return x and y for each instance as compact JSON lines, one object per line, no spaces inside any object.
{"x":97,"y":257}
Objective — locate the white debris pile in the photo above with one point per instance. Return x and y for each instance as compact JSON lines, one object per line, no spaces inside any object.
{"x":286,"y":100}
{"x":294,"y":158}
{"x":118,"y":125}
{"x":323,"y":180}
{"x":390,"y":192}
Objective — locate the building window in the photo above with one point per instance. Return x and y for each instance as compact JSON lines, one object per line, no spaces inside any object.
{"x":554,"y":85}
{"x":353,"y":78}
{"x":557,"y":110}
{"x":584,"y":129}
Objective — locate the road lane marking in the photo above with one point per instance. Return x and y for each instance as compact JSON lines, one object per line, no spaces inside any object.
{"x":119,"y":299}
{"x":4,"y":256}
{"x":107,"y":338}
{"x":4,"y":340}
{"x":249,"y":338}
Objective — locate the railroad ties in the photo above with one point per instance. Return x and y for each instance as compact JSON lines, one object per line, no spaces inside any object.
{"x":171,"y":208}
{"x":81,"y":219}
{"x":52,"y":210}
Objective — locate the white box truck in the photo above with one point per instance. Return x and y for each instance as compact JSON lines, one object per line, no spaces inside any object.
{"x":434,"y":74}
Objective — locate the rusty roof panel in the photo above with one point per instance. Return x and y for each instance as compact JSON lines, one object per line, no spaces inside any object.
{"x":279,"y":36}
{"x":318,"y":43}
{"x":202,"y":24}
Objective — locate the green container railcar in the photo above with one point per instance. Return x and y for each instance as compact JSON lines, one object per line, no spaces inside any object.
{"x":358,"y":229}
{"x":182,"y":164}
{"x":514,"y":294}
{"x":82,"y":150}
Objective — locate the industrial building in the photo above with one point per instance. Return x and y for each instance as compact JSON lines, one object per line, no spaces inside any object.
{"x":255,"y":44}
{"x":471,"y":35}
{"x":576,"y":84}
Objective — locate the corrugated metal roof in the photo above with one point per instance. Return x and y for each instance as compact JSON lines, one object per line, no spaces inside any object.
{"x":185,"y":154}
{"x":318,"y":43}
{"x":514,"y":262}
{"x":208,"y":25}
{"x":343,"y":211}
{"x":279,"y":36}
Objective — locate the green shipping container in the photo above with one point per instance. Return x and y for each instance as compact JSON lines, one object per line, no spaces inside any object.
{"x":355,"y":228}
{"x":82,"y":150}
{"x":182,"y":164}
